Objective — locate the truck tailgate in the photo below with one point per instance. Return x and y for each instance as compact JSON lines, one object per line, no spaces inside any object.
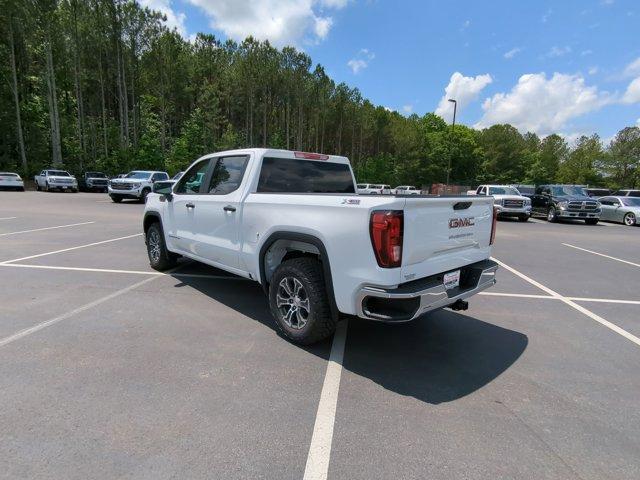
{"x":444,"y":233}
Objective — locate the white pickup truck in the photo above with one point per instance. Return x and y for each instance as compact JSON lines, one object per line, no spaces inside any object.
{"x":508,"y":201}
{"x":293,"y":222}
{"x":49,"y":180}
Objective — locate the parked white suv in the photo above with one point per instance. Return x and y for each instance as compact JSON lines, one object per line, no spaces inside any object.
{"x":62,"y":180}
{"x":292,"y":222}
{"x":135,"y":185}
{"x":508,"y":201}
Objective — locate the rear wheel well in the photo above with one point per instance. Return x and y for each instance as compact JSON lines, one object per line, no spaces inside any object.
{"x":283,"y":250}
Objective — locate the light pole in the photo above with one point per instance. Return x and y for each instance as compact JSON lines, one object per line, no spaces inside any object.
{"x":453,"y":126}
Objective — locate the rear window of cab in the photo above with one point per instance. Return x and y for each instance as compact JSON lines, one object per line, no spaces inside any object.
{"x":288,"y":175}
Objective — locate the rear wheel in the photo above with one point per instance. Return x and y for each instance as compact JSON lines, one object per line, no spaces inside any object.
{"x":552,"y":215}
{"x":159,"y":257}
{"x":299,"y":301}
{"x":591,"y":221}
{"x":630,"y":219}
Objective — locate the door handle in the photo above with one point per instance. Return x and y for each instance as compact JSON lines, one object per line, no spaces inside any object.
{"x":229,"y":208}
{"x":190,"y":205}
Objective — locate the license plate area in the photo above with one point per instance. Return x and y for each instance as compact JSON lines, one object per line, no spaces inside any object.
{"x":451,"y":279}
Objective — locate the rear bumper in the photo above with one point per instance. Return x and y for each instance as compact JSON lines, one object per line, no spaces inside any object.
{"x":410,"y":300}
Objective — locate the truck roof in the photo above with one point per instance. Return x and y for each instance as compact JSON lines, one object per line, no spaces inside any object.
{"x":283,"y":154}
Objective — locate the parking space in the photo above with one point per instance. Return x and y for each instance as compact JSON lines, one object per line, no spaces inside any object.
{"x":111,"y":370}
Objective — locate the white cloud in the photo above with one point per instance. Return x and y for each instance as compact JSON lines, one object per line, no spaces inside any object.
{"x":607,"y":2}
{"x":546,"y":16}
{"x":322,"y":26}
{"x":542,"y":105}
{"x":282,"y":22}
{"x":638,"y":122}
{"x":557,"y":51}
{"x":593,"y":70}
{"x":463,"y":89}
{"x":633,"y":69}
{"x":466,"y":24}
{"x":361,"y":61}
{"x":356,"y":65}
{"x":512,"y":53}
{"x":632,"y":95}
{"x":407,"y":109}
{"x":174,"y":19}
{"x":584,"y":53}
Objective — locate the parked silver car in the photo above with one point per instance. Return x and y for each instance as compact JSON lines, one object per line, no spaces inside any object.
{"x":620,"y":209}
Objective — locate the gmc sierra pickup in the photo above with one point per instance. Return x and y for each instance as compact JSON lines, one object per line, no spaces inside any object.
{"x":293,"y":222}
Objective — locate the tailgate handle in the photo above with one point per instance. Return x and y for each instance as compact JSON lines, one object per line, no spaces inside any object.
{"x":462,"y":205}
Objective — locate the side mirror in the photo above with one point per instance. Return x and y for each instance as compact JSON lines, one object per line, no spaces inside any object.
{"x":164,"y":188}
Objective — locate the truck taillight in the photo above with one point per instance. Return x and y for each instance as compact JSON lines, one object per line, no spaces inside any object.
{"x":311,"y":156}
{"x":386,"y":229}
{"x":494,"y":222}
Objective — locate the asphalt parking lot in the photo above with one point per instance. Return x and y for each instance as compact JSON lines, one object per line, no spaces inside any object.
{"x":111,"y":370}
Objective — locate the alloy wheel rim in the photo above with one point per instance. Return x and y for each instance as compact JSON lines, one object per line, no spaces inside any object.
{"x":551,"y":214}
{"x":154,"y":246}
{"x":630,"y":219}
{"x":292,"y":302}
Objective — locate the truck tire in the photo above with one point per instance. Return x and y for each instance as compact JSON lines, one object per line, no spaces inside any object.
{"x":523,"y":218}
{"x":116,"y":198}
{"x":552,"y":215}
{"x":159,"y":257}
{"x":38,"y":187}
{"x":299,"y":302}
{"x":591,"y":221}
{"x":145,"y":192}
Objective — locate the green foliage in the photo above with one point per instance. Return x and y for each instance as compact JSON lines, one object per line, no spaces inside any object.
{"x":581,"y":166}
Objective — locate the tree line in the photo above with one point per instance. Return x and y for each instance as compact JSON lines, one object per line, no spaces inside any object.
{"x":105,"y":85}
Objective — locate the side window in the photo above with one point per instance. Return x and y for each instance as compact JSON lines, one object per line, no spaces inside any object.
{"x":191,"y":181}
{"x":482,"y":191}
{"x":159,"y":176}
{"x":547,"y":190}
{"x":227,"y":175}
{"x":606,"y":201}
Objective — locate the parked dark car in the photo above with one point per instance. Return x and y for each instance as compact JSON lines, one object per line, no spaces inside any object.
{"x":626,"y":193}
{"x":556,"y":202}
{"x":93,"y":182}
{"x":597,"y":192}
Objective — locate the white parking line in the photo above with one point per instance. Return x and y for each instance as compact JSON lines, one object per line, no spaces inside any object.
{"x":320,"y":449}
{"x":69,"y":249}
{"x":602,"y":255}
{"x":7,"y":218}
{"x":46,"y":228}
{"x":548,"y":297}
{"x":571,"y":303}
{"x":64,"y":316}
{"x":127,"y":272}
{"x":536,"y":220}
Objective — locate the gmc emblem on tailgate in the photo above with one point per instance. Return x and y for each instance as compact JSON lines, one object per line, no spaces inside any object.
{"x":461,"y":222}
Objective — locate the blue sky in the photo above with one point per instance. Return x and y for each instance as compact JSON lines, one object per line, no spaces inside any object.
{"x":571,"y":67}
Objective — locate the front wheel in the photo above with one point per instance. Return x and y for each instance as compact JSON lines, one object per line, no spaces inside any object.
{"x":159,"y":257}
{"x":299,"y":301}
{"x":630,"y":219}
{"x":145,"y":194}
{"x":523,"y":218}
{"x":591,"y":221}
{"x":38,"y":187}
{"x":552,"y":215}
{"x":116,"y":198}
